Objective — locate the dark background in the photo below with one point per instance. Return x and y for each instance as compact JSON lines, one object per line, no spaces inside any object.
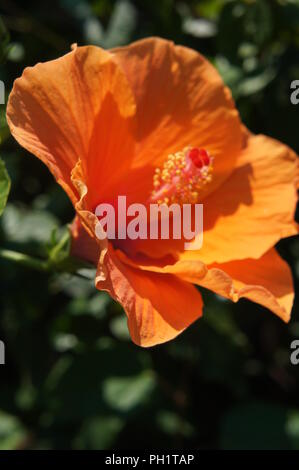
{"x":73,"y":379}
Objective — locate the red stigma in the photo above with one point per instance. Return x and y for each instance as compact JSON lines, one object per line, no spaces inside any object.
{"x":195,"y":157}
{"x":205,"y":156}
{"x":199,"y":157}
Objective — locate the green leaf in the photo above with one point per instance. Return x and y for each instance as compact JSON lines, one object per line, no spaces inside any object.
{"x":126,"y":393}
{"x":4,"y":41}
{"x":12,"y":432}
{"x":199,"y":28}
{"x":99,"y":432}
{"x":173,"y":424}
{"x":18,"y":222}
{"x":4,"y":186}
{"x":257,"y":83}
{"x":60,"y":258}
{"x":122,"y":24}
{"x":119,"y":327}
{"x":83,"y":385}
{"x":292,"y":428}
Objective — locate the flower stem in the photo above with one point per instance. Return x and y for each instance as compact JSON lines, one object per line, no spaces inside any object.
{"x":60,"y":245}
{"x":25,"y":260}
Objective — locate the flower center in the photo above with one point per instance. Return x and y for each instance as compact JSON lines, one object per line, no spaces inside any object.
{"x":182,"y":177}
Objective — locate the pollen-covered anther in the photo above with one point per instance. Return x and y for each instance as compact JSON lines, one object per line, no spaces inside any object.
{"x":182,"y":177}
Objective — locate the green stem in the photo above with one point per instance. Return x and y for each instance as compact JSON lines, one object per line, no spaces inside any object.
{"x":64,"y":239}
{"x":24,"y":260}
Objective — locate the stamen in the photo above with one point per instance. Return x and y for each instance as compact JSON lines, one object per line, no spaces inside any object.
{"x":182,"y":177}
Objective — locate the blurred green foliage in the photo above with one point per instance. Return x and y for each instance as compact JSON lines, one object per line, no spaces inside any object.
{"x":4,"y":186}
{"x":73,"y":379}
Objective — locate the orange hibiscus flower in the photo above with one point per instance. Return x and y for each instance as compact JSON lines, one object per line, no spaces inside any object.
{"x":105,"y":122}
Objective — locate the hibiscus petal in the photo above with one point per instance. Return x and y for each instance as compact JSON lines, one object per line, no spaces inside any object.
{"x":158,"y":306}
{"x":181,"y":100}
{"x":57,"y":110}
{"x":266,"y":281}
{"x":187,"y":267}
{"x":255,"y":207}
{"x":83,"y":245}
{"x":250,"y":212}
